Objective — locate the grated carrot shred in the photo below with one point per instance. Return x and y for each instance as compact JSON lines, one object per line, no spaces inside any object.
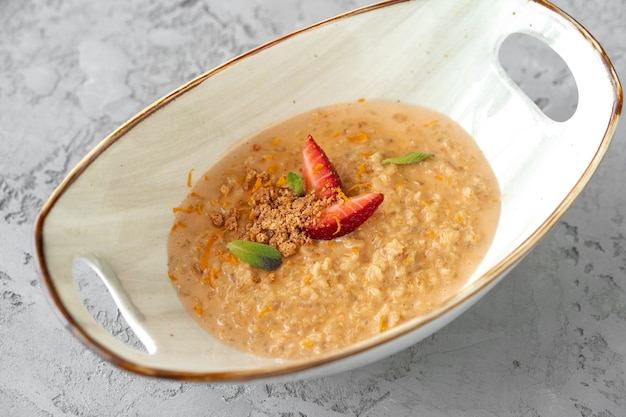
{"x":276,"y":141}
{"x":341,"y":194}
{"x":171,"y":276}
{"x":361,"y":170}
{"x":210,"y":278}
{"x":190,"y":178}
{"x":338,"y":225}
{"x":266,"y":310}
{"x":360,"y":185}
{"x":177,"y":225}
{"x":206,"y":253}
{"x":182,"y":210}
{"x":307,"y":344}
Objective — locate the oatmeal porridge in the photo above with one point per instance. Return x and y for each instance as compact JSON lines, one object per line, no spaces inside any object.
{"x":426,"y":227}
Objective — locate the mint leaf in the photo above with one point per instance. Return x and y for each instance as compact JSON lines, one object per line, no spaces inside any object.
{"x":410,"y":158}
{"x":296,"y":183}
{"x":256,"y":254}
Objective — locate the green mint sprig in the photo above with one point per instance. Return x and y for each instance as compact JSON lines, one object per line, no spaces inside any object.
{"x":256,"y":254}
{"x":410,"y":158}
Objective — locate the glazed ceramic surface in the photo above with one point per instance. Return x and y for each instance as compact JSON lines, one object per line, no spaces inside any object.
{"x":114,"y":211}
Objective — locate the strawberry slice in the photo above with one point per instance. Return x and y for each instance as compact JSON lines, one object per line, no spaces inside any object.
{"x":343,"y":217}
{"x":318,"y":172}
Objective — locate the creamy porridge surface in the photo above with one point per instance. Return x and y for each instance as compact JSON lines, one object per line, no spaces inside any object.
{"x":433,"y":228}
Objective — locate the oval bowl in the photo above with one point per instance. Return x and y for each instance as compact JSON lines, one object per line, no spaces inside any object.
{"x":114,"y":210}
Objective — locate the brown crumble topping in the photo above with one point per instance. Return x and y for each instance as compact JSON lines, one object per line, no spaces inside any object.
{"x":277,"y":216}
{"x":232,"y":221}
{"x":217,"y":219}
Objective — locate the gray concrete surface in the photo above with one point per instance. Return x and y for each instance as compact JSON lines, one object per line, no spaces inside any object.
{"x":550,"y":340}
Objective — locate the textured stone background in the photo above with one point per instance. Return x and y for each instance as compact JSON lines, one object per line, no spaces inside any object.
{"x":550,"y":340}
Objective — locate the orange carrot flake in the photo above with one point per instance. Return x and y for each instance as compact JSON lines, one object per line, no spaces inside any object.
{"x":360,"y":137}
{"x":198,"y":309}
{"x":382,"y":324}
{"x":171,"y":276}
{"x":317,"y":167}
{"x":257,"y":185}
{"x":281,"y":181}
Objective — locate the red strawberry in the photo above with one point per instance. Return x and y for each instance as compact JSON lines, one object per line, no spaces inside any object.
{"x":343,"y":217}
{"x":318,"y":172}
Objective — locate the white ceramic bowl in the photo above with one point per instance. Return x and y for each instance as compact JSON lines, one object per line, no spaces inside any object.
{"x":114,"y":210}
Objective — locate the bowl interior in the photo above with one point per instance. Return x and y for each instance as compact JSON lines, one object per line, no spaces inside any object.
{"x":115,"y":208}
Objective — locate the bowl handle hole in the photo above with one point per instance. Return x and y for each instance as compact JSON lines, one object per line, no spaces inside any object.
{"x":104,"y":298}
{"x":541,"y":74}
